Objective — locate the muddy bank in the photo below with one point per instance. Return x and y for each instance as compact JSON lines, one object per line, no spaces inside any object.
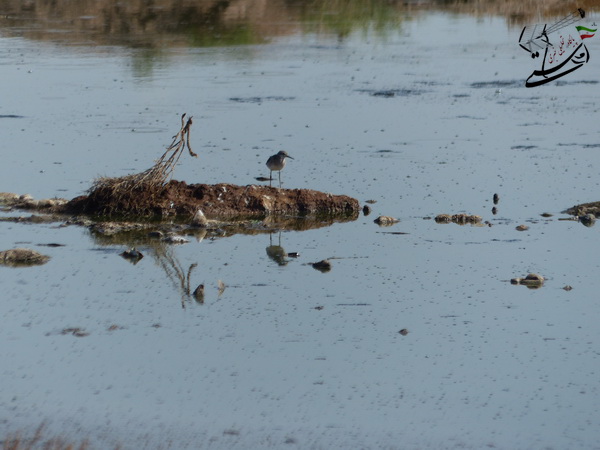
{"x":584,"y":208}
{"x":179,"y":199}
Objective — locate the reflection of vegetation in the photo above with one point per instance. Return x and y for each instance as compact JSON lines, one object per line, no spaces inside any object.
{"x":208,"y":23}
{"x":342,"y":17}
{"x":223,"y":35}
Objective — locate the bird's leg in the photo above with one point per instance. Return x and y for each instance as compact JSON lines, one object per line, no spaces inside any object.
{"x":279,"y":179}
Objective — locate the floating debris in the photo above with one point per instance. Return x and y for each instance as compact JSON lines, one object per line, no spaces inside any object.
{"x":371,"y":202}
{"x":403,"y":331}
{"x":293,"y":255}
{"x":366,"y":210}
{"x":546,"y":215}
{"x":532,"y":280}
{"x":567,"y":288}
{"x":319,"y":308}
{"x":386,"y":221}
{"x":22,"y":257}
{"x":115,"y":327}
{"x":494,"y":210}
{"x":460,"y":219}
{"x":322,"y":266}
{"x":133,"y":255}
{"x":522,"y":228}
{"x":496,"y":199}
{"x":77,"y":332}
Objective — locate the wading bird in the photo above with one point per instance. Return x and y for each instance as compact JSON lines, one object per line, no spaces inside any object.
{"x":277,"y":163}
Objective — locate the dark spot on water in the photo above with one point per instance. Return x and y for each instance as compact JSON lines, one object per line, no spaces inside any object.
{"x":574,"y":144}
{"x":566,"y":83}
{"x":523,"y":147}
{"x":470,"y":117}
{"x":496,"y":84}
{"x":461,"y":95}
{"x":11,"y":116}
{"x":388,"y":93}
{"x":270,"y":98}
{"x":52,"y":244}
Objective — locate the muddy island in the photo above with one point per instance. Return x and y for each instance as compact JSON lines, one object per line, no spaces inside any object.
{"x":218,"y":201}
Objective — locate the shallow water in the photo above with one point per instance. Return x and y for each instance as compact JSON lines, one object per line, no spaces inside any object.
{"x":428,"y":116}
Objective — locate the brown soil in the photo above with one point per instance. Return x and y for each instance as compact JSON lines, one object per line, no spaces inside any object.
{"x":585,"y":208}
{"x":178,"y":198}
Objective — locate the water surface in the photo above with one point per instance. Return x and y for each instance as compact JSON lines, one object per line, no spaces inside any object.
{"x":426,"y":113}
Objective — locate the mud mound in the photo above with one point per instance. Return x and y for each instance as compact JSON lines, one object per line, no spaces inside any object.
{"x":177,"y":198}
{"x":584,"y":208}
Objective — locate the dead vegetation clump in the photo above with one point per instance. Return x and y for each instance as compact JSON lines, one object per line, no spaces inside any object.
{"x":139,"y":194}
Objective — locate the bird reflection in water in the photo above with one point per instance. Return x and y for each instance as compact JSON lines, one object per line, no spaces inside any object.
{"x":276,"y":252}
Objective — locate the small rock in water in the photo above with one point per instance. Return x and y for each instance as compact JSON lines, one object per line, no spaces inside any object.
{"x":199,"y":293}
{"x":133,"y":254}
{"x":322,"y":266}
{"x":588,"y":220}
{"x":522,"y":228}
{"x":532,"y":280}
{"x":403,"y":331}
{"x":496,"y":199}
{"x":386,"y":221}
{"x":199,"y":219}
{"x":293,"y":255}
{"x":175,"y":239}
{"x":546,"y":215}
{"x":366,"y":210}
{"x":567,"y":287}
{"x":22,"y":257}
{"x":221,"y":287}
{"x":494,"y":210}
{"x":459,"y":219}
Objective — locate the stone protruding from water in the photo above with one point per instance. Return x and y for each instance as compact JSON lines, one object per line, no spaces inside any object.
{"x":532,"y":280}
{"x":22,"y":257}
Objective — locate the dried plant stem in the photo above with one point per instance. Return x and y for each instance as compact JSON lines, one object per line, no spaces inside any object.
{"x":122,"y":194}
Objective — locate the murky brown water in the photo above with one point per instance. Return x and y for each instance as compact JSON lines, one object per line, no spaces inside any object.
{"x":423,"y":110}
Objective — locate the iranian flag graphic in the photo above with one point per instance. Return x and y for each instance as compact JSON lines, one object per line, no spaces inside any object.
{"x":585,"y":32}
